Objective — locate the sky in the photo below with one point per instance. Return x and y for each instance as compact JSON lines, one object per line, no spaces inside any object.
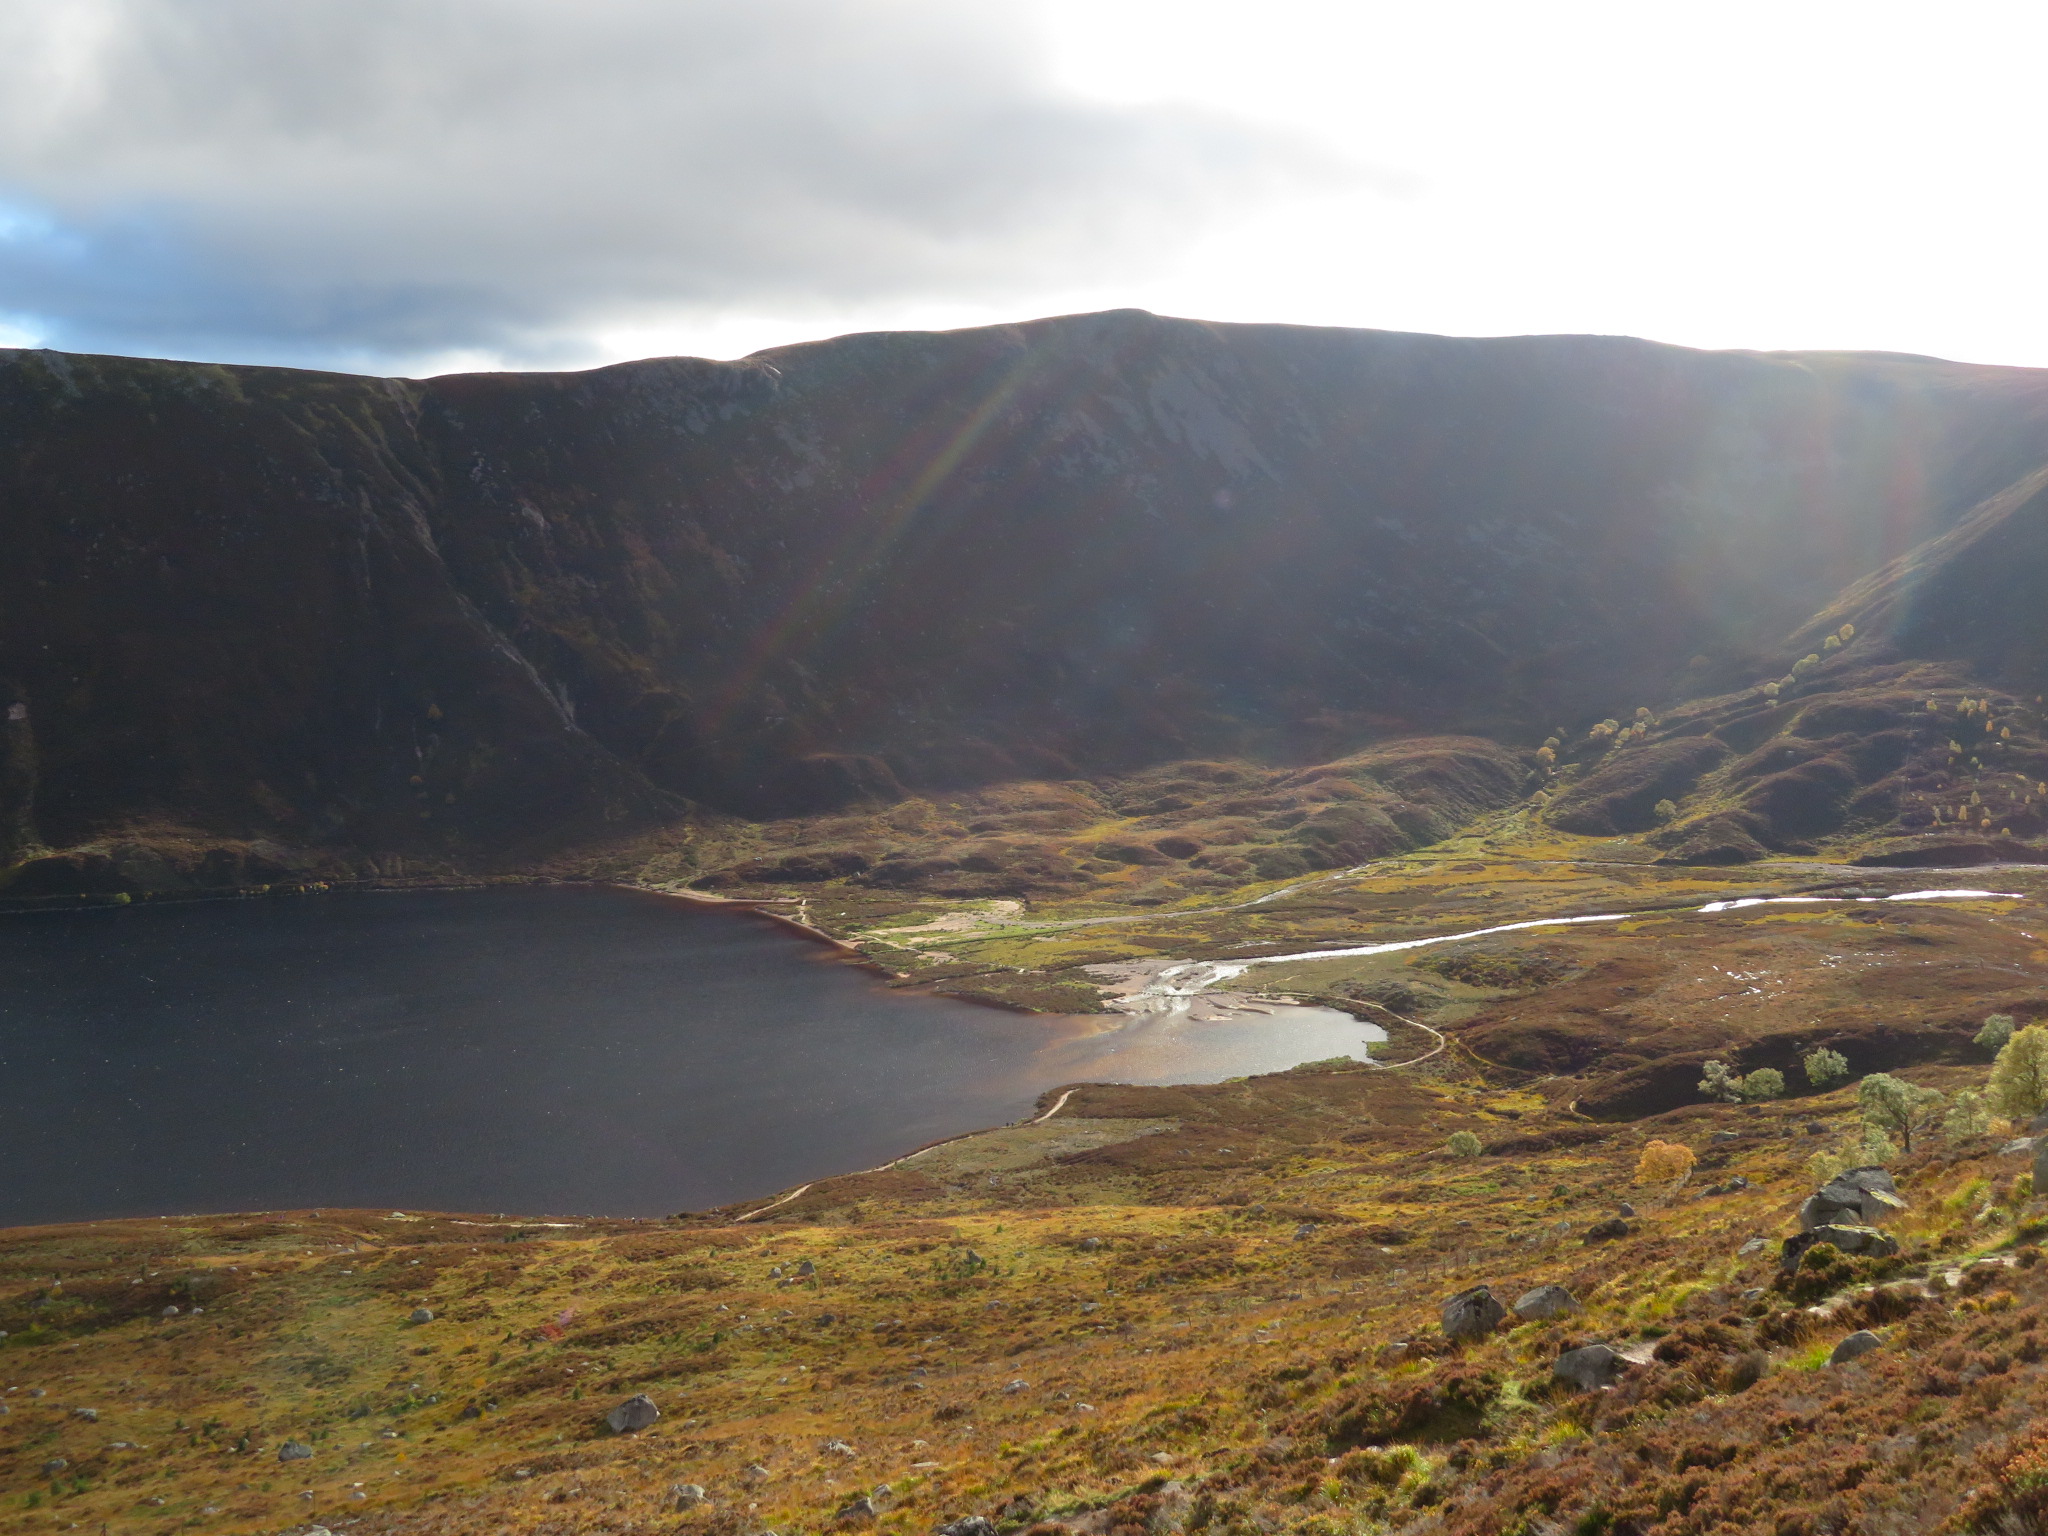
{"x":418,"y":186}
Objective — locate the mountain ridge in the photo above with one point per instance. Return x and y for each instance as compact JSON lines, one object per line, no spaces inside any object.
{"x":478,"y":621}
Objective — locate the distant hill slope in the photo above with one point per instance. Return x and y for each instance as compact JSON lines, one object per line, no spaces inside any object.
{"x":481,"y":617}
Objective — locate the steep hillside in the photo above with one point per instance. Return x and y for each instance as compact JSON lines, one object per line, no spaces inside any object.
{"x":303,"y":622}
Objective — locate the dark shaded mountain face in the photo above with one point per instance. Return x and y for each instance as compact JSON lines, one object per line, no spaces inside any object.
{"x":484,"y":617}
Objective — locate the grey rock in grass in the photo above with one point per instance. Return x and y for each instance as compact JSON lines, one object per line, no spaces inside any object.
{"x":1472,"y":1314}
{"x":1589,"y":1368}
{"x":633,"y":1415}
{"x":1855,"y":1347}
{"x":422,"y":1315}
{"x":295,"y":1450}
{"x":1861,"y":1197}
{"x":1545,"y":1303}
{"x":685,"y":1495}
{"x":968,"y":1525}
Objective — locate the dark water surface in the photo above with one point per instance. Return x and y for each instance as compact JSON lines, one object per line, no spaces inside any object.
{"x":571,"y":1051}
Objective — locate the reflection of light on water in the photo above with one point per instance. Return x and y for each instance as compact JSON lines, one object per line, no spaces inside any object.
{"x":1175,"y":1048}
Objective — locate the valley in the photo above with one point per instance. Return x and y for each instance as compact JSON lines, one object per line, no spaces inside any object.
{"x":1598,"y":722}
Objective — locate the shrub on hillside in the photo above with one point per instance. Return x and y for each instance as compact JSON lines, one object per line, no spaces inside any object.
{"x":1996,"y":1033}
{"x":1894,"y":1107}
{"x":1463,"y":1144}
{"x":2019,"y":1078}
{"x":1825,"y":1068}
{"x":1763,"y":1083}
{"x":1719,"y":1083}
{"x":1969,"y":1114}
{"x":1664,"y":1162}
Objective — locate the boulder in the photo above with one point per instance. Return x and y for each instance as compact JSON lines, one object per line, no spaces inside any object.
{"x":859,"y":1512}
{"x":1855,"y":1347}
{"x":1867,"y":1241}
{"x":1588,"y":1368}
{"x":1861,"y":1197}
{"x":633,"y":1415}
{"x":422,"y":1315}
{"x":1545,"y":1303}
{"x":295,"y":1450}
{"x":968,"y":1525}
{"x":1607,"y":1231}
{"x":1624,"y":1210}
{"x":1472,"y":1314}
{"x":685,"y":1495}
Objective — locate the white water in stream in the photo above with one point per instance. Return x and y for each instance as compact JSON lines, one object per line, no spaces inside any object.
{"x":1175,"y":987}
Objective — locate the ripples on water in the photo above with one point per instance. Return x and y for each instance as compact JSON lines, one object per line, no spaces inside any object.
{"x":535,"y":1051}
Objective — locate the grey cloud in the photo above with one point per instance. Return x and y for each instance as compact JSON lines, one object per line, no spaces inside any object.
{"x":363,"y":180}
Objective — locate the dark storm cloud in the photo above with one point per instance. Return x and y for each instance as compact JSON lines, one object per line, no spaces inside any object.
{"x":365,"y":180}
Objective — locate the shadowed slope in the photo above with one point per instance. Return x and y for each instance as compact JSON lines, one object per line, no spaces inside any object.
{"x":480,"y":617}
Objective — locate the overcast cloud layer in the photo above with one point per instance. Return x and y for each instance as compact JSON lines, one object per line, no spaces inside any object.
{"x":372,"y":183}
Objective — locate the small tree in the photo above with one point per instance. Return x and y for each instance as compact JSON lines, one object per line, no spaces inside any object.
{"x":1664,"y":810}
{"x":2019,"y":1078}
{"x":1968,"y":1114}
{"x":1717,"y":1082}
{"x":1463,"y":1144}
{"x":1872,"y":1149}
{"x":1894,"y":1107}
{"x":1664,"y":1162}
{"x":1996,"y":1032}
{"x":1825,"y":1068}
{"x":1763,"y":1083}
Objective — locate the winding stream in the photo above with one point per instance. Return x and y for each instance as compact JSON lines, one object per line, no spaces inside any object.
{"x":1175,"y":986}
